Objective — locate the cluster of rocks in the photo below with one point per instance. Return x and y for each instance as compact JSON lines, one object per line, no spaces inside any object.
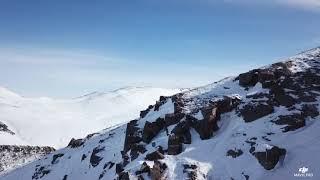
{"x":12,"y":155}
{"x":285,"y":89}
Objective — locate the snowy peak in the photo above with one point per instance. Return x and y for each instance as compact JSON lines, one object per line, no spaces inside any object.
{"x":267,"y":119}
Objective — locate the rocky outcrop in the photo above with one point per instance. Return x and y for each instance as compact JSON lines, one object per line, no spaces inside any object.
{"x":12,"y":156}
{"x":158,"y":171}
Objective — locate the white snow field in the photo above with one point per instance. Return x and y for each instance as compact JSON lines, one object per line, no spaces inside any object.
{"x":51,"y":122}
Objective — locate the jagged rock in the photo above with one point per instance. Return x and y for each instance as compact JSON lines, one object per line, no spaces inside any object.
{"x":158,"y":170}
{"x":137,"y":149}
{"x":174,"y":145}
{"x":310,"y":110}
{"x":132,"y":135}
{"x":124,"y":176}
{"x":156,"y":155}
{"x":159,"y":103}
{"x":208,"y":125}
{"x":178,"y":103}
{"x":174,"y":118}
{"x":145,"y":112}
{"x":235,"y":153}
{"x":74,"y":143}
{"x":119,"y":168}
{"x":270,"y":157}
{"x":150,"y":130}
{"x":251,"y":112}
{"x":55,"y":157}
{"x":294,"y":121}
{"x":248,"y":79}
{"x":227,"y":104}
{"x":182,"y":130}
{"x":95,"y":159}
{"x":145,"y":168}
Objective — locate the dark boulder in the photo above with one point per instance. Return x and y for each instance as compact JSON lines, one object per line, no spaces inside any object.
{"x":158,"y":170}
{"x":208,"y":125}
{"x":137,"y":149}
{"x":124,"y":176}
{"x":156,"y":155}
{"x":145,"y":168}
{"x":132,"y":135}
{"x":270,"y":157}
{"x":248,"y":79}
{"x":227,"y":104}
{"x":251,"y":112}
{"x":119,"y":168}
{"x":182,"y":130}
{"x":150,"y":130}
{"x":174,"y":145}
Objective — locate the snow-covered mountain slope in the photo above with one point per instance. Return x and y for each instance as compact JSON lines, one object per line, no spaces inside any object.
{"x":51,"y":122}
{"x":263,"y":124}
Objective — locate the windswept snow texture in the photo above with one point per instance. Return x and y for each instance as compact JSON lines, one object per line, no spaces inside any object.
{"x":51,"y":122}
{"x":267,"y":128}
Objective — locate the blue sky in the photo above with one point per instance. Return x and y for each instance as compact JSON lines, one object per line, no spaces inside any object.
{"x":65,"y":49}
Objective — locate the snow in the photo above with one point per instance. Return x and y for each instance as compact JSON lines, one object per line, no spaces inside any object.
{"x":53,"y":122}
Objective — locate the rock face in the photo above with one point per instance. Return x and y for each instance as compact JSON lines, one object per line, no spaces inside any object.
{"x":270,"y":157}
{"x":219,"y":131}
